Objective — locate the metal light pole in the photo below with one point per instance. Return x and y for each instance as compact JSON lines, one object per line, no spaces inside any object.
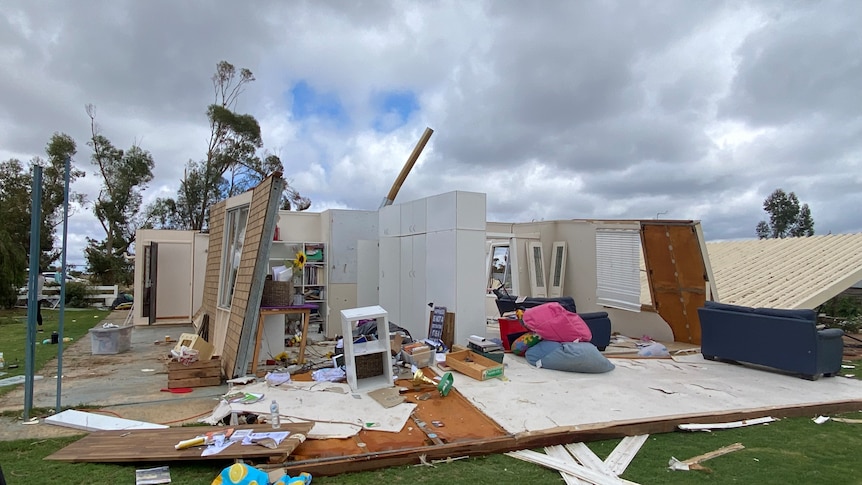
{"x":32,"y":288}
{"x":57,"y":408}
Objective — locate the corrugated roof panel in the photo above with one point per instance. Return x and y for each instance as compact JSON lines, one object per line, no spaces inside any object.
{"x":786,"y":273}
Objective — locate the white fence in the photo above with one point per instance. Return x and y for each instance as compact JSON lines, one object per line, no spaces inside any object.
{"x":99,"y":295}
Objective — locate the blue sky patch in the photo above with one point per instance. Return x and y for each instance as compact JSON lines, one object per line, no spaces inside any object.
{"x":395,"y":108}
{"x":309,"y":103}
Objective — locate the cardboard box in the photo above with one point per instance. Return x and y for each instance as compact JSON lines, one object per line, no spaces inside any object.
{"x":195,"y":342}
{"x":474,"y":365}
{"x":423,"y":358}
{"x":395,"y":343}
{"x":495,"y":355}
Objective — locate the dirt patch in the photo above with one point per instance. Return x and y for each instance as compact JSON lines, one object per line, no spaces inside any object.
{"x":853,"y":346}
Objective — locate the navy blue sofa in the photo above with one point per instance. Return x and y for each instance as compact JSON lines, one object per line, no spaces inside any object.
{"x":600,"y":327}
{"x":787,"y":340}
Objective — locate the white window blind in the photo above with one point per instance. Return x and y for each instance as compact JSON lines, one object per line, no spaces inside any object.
{"x":618,"y":268}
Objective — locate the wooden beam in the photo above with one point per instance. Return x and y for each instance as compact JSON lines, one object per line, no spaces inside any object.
{"x":579,"y":471}
{"x":624,"y":453}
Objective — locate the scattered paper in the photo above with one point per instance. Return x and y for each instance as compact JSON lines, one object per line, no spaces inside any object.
{"x":821,"y":419}
{"x":241,"y":397}
{"x":153,"y":476}
{"x":846,"y":366}
{"x":241,"y":434}
{"x":218,"y":444}
{"x":277,"y":436}
{"x":282,"y":273}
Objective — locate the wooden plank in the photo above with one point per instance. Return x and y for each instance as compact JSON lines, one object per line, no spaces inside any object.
{"x":560,"y":453}
{"x":579,"y":471}
{"x":194,"y":382}
{"x":714,"y":454}
{"x":586,"y":457}
{"x":624,"y":453}
{"x":735,"y":424}
{"x":189,"y":373}
{"x":148,"y":445}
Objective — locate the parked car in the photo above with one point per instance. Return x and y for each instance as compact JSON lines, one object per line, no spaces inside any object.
{"x":53,"y":278}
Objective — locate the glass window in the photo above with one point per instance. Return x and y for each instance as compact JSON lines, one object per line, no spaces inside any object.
{"x":235,"y":221}
{"x":501,"y":271}
{"x":618,"y":268}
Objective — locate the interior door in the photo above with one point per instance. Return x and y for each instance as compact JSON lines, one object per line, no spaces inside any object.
{"x":152,"y":265}
{"x":536,"y":265}
{"x":558,"y":269}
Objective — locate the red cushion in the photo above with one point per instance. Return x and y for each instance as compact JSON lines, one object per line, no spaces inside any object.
{"x":553,"y":322}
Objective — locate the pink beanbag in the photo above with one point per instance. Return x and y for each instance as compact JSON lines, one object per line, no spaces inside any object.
{"x":553,"y":322}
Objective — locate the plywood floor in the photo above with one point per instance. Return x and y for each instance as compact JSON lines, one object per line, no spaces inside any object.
{"x":532,"y":399}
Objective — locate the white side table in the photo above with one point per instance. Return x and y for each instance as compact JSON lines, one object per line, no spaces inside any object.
{"x":377,"y":349}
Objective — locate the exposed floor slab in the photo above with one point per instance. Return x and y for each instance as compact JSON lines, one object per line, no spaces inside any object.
{"x":532,"y":399}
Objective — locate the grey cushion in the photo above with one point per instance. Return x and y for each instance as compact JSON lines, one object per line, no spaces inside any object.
{"x":569,"y":357}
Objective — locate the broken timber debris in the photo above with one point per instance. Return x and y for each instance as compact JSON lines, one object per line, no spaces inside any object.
{"x":695,"y":463}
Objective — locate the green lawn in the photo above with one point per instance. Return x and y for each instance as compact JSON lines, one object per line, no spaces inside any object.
{"x":13,"y":336}
{"x":790,"y":451}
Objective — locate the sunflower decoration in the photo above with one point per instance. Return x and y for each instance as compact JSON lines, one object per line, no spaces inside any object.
{"x":298,"y":264}
{"x":299,"y":260}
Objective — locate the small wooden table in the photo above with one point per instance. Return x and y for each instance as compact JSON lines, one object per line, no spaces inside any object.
{"x":304,"y":310}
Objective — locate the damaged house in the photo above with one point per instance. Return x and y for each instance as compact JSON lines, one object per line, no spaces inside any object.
{"x":651,"y":278}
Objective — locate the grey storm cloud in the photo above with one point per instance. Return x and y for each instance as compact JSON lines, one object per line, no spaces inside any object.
{"x":555,"y":109}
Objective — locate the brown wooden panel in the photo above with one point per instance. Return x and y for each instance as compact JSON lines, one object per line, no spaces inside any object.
{"x":147,"y":445}
{"x":676,"y":275}
{"x":689,"y":258}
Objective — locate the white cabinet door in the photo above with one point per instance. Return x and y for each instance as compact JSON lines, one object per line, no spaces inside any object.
{"x":413,"y":304}
{"x":456,"y":210}
{"x":390,"y":276}
{"x":455,"y":278}
{"x":413,"y":217}
{"x":389,"y":222}
{"x":440,"y":270}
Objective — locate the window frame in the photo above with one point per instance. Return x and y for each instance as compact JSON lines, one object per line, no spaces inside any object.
{"x":236,"y":220}
{"x":618,"y":253}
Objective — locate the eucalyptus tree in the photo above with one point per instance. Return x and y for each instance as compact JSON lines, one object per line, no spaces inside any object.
{"x":124,"y":176}
{"x":232,"y":162}
{"x":787,"y":217}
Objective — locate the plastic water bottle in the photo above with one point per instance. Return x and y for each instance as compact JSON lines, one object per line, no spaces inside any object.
{"x":273,"y":415}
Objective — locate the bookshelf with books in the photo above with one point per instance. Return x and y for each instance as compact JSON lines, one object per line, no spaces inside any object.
{"x":309,"y":279}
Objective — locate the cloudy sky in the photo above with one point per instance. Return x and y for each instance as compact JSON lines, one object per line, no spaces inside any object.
{"x":555,"y":109}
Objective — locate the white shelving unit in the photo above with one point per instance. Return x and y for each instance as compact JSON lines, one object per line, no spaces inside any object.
{"x":378,"y":348}
{"x":313,"y":285}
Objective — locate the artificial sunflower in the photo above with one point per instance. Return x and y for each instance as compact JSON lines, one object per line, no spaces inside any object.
{"x":299,"y":260}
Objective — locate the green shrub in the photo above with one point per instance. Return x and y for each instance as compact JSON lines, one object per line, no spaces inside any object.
{"x":77,"y":295}
{"x":842,"y":307}
{"x":849,"y":325}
